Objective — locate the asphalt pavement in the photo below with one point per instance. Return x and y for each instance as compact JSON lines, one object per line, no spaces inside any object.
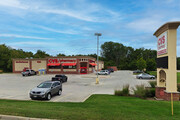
{"x":77,"y":89}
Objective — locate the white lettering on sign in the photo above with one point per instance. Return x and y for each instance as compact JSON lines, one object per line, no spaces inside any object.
{"x":162,"y":44}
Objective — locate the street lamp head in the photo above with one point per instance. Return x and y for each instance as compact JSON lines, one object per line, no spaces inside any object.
{"x":97,"y":34}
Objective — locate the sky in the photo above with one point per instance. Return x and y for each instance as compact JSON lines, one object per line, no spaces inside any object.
{"x":68,"y":26}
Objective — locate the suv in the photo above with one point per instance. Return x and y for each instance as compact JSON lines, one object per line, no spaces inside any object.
{"x":28,"y":72}
{"x":61,"y":78}
{"x":46,"y":90}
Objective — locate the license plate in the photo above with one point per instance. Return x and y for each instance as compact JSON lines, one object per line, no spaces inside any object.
{"x":35,"y":96}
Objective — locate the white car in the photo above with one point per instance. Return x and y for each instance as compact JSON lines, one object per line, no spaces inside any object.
{"x":103,"y":72}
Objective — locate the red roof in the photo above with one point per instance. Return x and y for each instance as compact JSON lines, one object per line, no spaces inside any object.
{"x":53,"y":64}
{"x":68,"y":64}
{"x":93,"y":64}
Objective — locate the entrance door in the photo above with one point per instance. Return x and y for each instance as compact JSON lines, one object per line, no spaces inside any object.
{"x":83,"y":70}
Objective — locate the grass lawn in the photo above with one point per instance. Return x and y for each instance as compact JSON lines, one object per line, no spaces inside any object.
{"x":97,"y":107}
{"x":155,"y":74}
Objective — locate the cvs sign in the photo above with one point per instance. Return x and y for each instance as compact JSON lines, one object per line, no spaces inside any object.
{"x":162,"y":44}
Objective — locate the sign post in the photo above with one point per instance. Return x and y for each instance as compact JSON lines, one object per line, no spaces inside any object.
{"x":166,"y":61}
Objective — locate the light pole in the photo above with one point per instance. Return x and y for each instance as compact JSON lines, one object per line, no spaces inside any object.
{"x":97,"y":34}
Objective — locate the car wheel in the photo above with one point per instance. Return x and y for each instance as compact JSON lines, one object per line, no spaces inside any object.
{"x":140,"y":78}
{"x":29,"y":74}
{"x":60,"y":92}
{"x":35,"y":73}
{"x":152,"y":78}
{"x":23,"y":75}
{"x":48,"y":96}
{"x":66,"y":79}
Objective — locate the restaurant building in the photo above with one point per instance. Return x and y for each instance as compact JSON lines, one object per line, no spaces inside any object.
{"x":59,"y":65}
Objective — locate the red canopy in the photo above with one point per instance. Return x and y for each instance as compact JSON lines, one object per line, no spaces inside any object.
{"x":53,"y":64}
{"x":68,"y":64}
{"x":93,"y":64}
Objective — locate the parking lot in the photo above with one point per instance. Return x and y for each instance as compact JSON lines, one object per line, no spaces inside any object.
{"x":77,"y":89}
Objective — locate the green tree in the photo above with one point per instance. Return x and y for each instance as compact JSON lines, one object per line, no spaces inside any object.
{"x":41,"y":54}
{"x":59,"y":55}
{"x":4,"y":57}
{"x":151,"y":64}
{"x":141,"y":64}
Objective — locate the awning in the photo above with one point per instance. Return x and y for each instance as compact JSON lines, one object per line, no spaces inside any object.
{"x":68,"y":64}
{"x":93,"y":64}
{"x":53,"y":64}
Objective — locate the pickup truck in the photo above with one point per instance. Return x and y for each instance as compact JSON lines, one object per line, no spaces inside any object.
{"x":61,"y":78}
{"x":28,"y":72}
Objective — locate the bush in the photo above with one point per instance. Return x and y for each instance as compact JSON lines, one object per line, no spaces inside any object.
{"x":150,"y":92}
{"x":123,"y":92}
{"x":142,"y":92}
{"x":178,"y":87}
{"x":153,"y":84}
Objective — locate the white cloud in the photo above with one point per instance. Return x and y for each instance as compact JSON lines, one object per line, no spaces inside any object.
{"x":22,"y":36}
{"x":59,"y":31}
{"x":13,"y":3}
{"x":86,"y":12}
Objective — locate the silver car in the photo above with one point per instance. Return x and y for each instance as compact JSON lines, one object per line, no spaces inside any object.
{"x":46,"y":90}
{"x":103,"y":72}
{"x":145,"y":76}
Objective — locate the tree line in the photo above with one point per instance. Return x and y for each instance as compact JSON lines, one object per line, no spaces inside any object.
{"x":112,"y":53}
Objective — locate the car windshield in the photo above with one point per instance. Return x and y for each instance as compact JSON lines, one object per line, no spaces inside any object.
{"x":27,"y":70}
{"x":44,"y":85}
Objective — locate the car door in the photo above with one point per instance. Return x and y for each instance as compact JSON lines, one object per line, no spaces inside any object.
{"x":53,"y":89}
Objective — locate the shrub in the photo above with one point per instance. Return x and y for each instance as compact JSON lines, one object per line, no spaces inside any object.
{"x":178,"y":87}
{"x":153,"y":84}
{"x":142,"y":92}
{"x":123,"y":92}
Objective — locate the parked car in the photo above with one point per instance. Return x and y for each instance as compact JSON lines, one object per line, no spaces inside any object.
{"x":61,"y":78}
{"x":111,"y":69}
{"x":46,"y":90}
{"x":137,"y":71}
{"x":28,"y":72}
{"x":145,"y":76}
{"x":103,"y":72}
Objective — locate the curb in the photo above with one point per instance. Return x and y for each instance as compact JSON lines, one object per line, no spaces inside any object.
{"x":9,"y":117}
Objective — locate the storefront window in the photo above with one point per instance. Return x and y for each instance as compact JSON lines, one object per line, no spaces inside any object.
{"x":69,"y":67}
{"x":54,"y":67}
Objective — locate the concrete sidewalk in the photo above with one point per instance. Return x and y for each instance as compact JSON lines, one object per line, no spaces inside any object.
{"x":9,"y":117}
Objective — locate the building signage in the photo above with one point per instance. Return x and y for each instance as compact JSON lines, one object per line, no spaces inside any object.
{"x":38,"y":61}
{"x":162,"y":44}
{"x":60,"y":60}
{"x":21,"y":61}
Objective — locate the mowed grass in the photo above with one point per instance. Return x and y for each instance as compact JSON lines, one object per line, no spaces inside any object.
{"x":155,"y":74}
{"x":97,"y":107}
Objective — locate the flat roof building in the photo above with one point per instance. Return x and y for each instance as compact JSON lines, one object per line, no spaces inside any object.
{"x":59,"y":65}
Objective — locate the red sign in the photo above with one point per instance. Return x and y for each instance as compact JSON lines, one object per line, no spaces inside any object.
{"x":38,"y":61}
{"x":57,"y":60}
{"x":21,"y":61}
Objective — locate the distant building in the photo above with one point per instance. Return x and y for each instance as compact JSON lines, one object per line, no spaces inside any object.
{"x":59,"y":65}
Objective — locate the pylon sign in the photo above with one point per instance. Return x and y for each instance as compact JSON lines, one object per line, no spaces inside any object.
{"x":166,"y":61}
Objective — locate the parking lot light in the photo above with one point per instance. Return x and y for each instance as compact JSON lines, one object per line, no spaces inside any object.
{"x":97,"y":34}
